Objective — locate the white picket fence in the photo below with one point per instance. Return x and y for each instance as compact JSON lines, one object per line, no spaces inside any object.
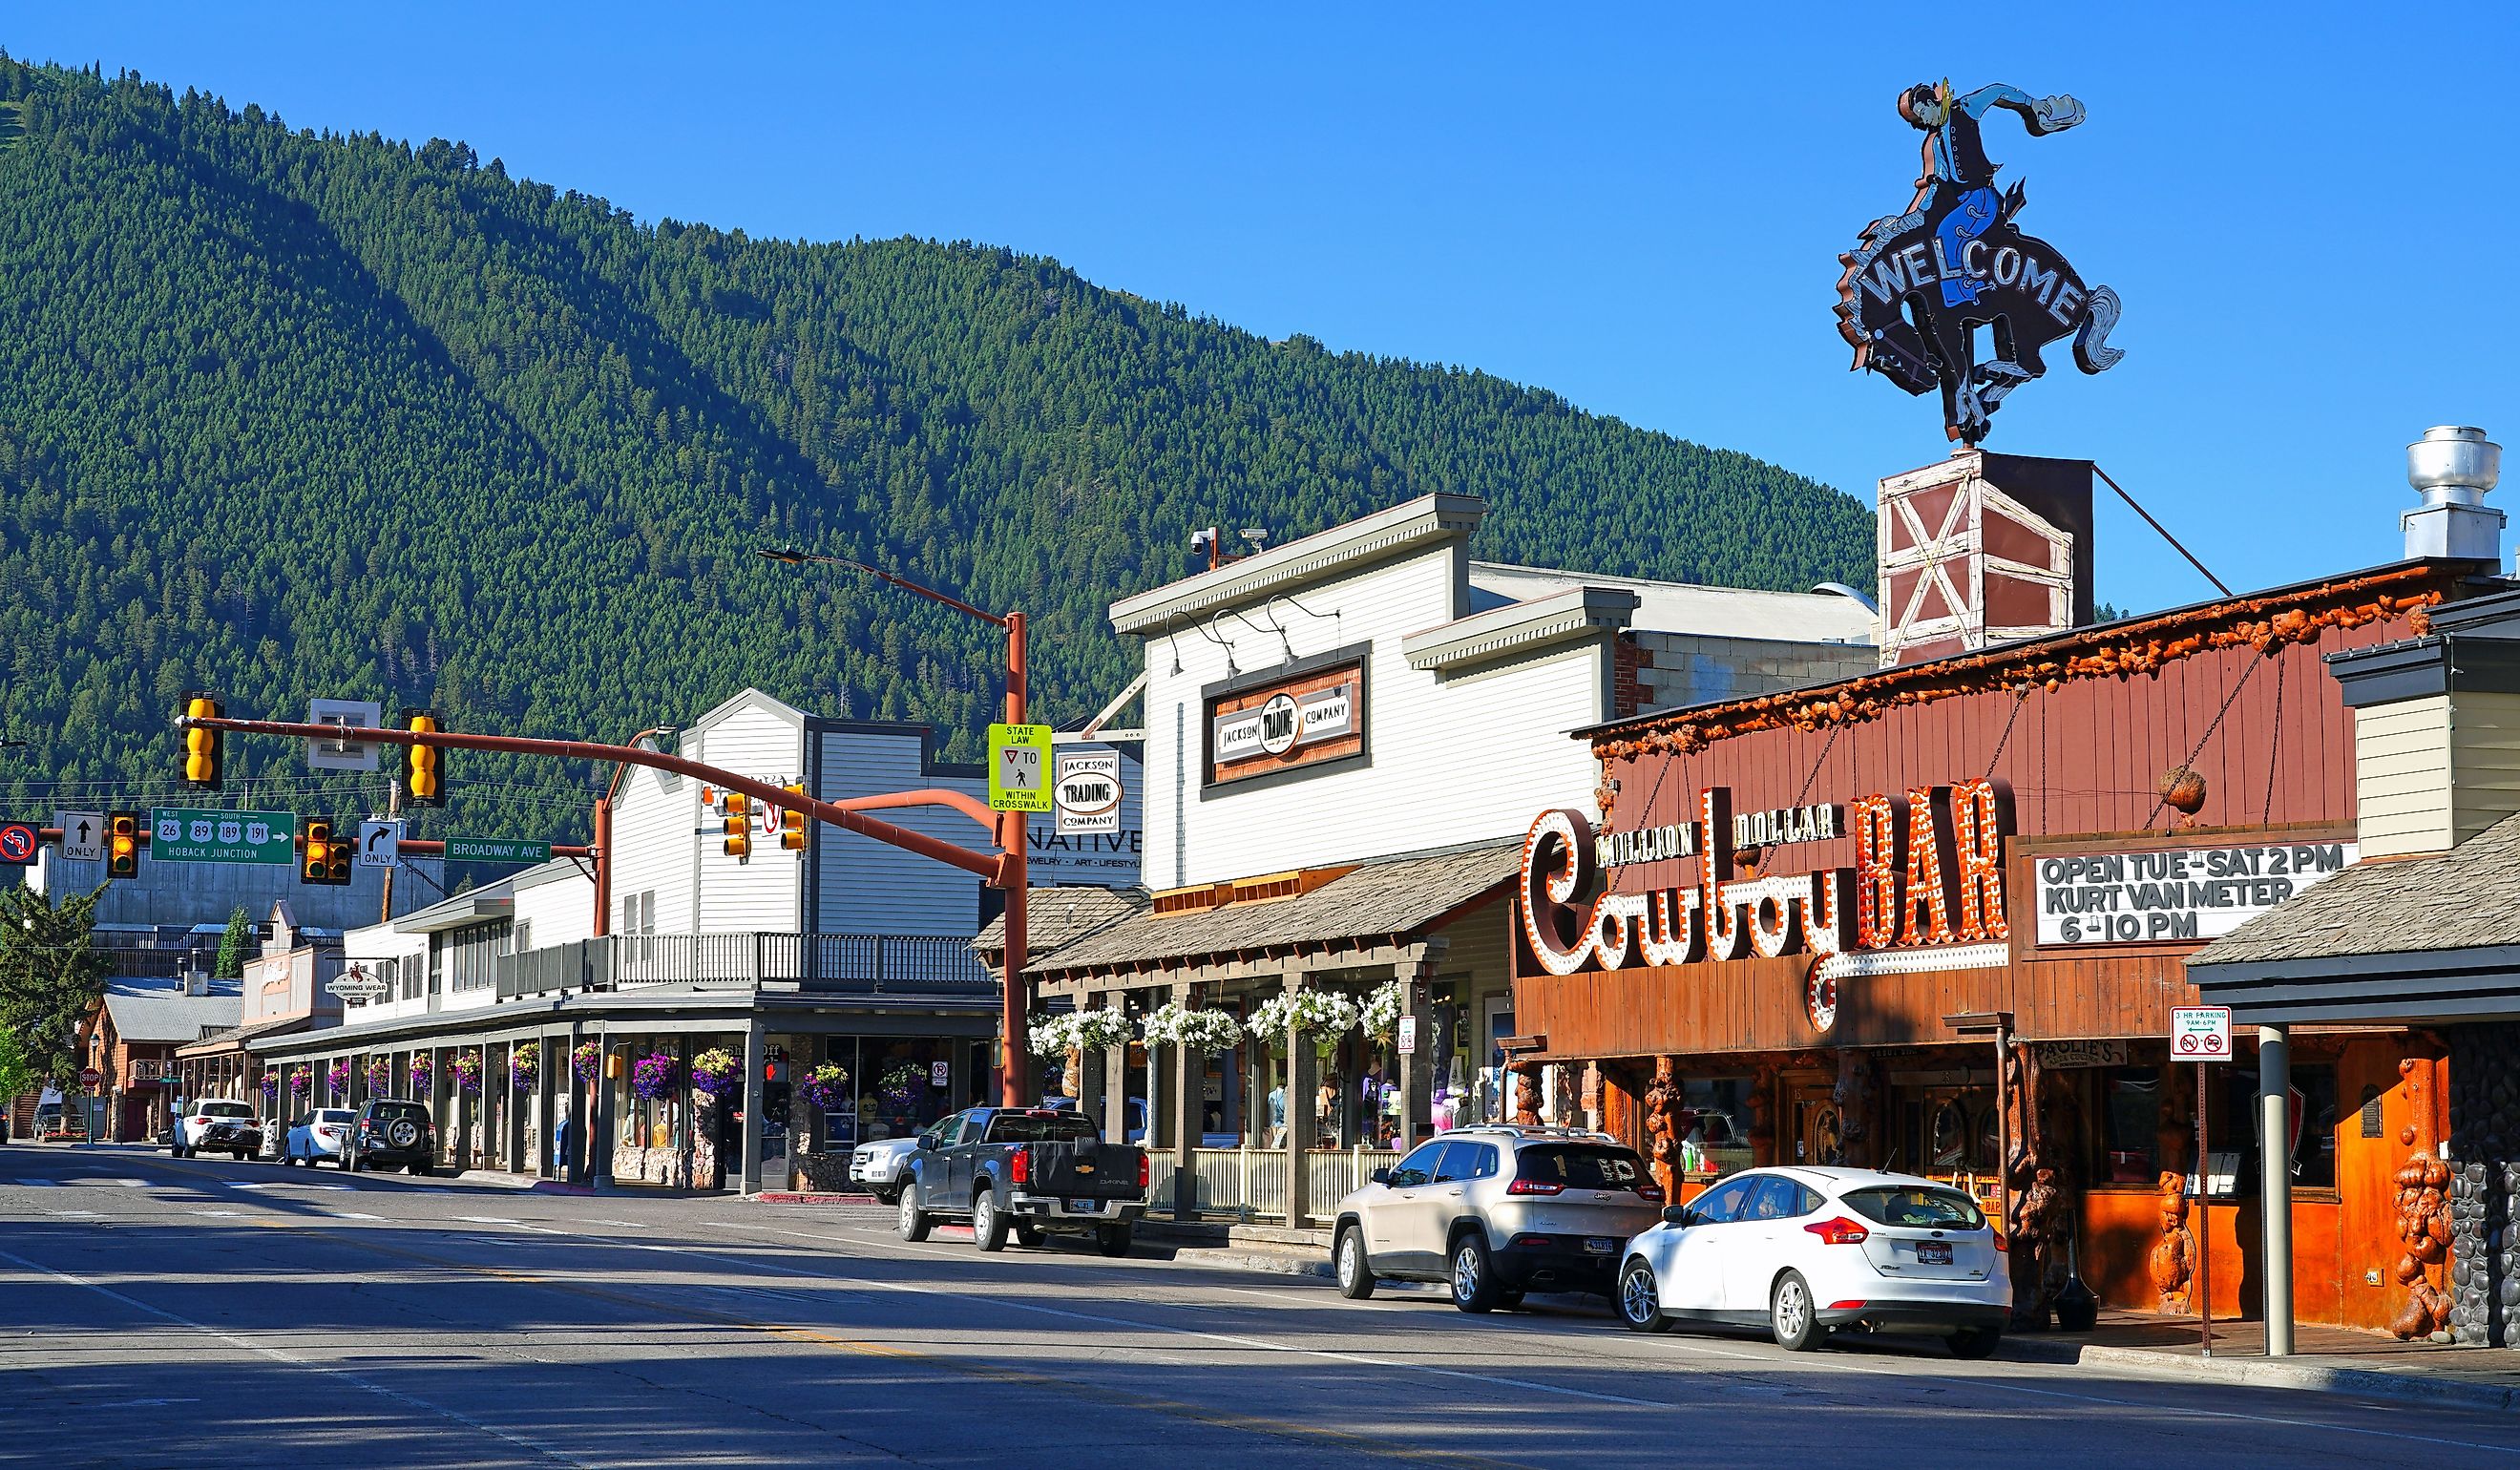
{"x":1250,"y":1183}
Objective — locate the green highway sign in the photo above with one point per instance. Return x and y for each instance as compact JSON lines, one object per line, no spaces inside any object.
{"x":1020,"y":768}
{"x":189,"y":834}
{"x":495,"y":850}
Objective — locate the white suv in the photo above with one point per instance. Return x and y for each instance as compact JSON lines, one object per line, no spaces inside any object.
{"x":1497,"y":1211}
{"x":218,"y":1124}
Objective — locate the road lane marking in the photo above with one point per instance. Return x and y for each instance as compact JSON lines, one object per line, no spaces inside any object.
{"x":485,"y":1220}
{"x":294,"y":1360}
{"x":1228,"y":1338}
{"x":1064,"y":1388}
{"x":354,"y":1214}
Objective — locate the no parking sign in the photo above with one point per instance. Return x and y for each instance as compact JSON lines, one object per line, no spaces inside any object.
{"x":2200,"y":1033}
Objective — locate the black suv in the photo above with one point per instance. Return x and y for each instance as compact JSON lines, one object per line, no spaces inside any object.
{"x":391,"y":1131}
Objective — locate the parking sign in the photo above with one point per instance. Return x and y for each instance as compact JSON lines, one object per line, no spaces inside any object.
{"x":2200,"y":1033}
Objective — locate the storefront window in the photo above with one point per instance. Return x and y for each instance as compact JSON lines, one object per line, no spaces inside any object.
{"x":2314,"y":1158}
{"x":1945,"y":1131}
{"x":903,"y":1084}
{"x":1715,"y":1123}
{"x":2129,"y":1125}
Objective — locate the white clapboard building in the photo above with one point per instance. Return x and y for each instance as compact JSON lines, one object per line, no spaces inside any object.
{"x":1345,"y":737}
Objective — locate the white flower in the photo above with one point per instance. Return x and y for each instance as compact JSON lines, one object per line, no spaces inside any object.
{"x":1324,"y":1014}
{"x":1380,"y":1017}
{"x":1207,"y":1031}
{"x":1094,"y":1030}
{"x":1051,"y":1034}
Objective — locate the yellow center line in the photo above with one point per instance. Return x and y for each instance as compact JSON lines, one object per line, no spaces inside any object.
{"x":1218,"y":1418}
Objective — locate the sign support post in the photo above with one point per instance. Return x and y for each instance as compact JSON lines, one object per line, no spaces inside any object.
{"x":2202,"y":1033}
{"x":2204,"y":1236}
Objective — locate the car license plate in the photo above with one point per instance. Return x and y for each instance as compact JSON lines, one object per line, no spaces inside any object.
{"x":1933,"y":1253}
{"x":1599,"y":1245}
{"x":1085,"y":1207}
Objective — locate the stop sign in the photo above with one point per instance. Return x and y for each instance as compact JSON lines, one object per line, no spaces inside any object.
{"x":90,"y":1076}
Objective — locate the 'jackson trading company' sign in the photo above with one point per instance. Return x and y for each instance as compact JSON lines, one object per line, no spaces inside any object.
{"x":2174,"y":894}
{"x":1304,"y":719}
{"x":1928,"y":872}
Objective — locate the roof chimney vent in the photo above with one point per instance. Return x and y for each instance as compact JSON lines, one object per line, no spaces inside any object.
{"x":2452,"y":468}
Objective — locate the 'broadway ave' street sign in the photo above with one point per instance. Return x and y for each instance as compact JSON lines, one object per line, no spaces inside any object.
{"x":495,"y":850}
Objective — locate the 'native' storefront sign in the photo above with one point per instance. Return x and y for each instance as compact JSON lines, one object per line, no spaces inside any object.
{"x":1928,"y":872}
{"x":2174,"y":894}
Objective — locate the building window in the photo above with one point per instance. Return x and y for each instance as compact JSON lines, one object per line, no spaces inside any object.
{"x":2131,"y":1126}
{"x":1715,"y":1123}
{"x":524,"y":937}
{"x":2314,"y":1158}
{"x":466,"y":957}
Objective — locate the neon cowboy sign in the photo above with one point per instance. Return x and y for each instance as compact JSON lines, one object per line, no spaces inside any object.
{"x":1929,"y":871}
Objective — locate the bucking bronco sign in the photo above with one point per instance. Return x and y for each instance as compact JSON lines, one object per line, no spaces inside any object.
{"x":1920,"y":284}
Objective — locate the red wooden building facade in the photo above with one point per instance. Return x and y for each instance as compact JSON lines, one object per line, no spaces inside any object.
{"x":1948,"y":1038}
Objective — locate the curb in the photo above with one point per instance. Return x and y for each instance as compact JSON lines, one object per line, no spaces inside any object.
{"x":1265,"y":1262}
{"x":2262,"y":1372}
{"x":798,"y":1197}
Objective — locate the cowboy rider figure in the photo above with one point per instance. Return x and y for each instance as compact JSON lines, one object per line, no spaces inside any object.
{"x":1958,"y":168}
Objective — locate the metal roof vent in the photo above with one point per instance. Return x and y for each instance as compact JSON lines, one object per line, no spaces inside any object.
{"x":2452,"y":467}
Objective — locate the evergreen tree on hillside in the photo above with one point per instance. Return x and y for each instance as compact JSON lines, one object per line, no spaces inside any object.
{"x":286,"y":414}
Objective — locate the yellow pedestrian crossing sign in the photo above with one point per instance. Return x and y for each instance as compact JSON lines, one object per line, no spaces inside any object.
{"x":1020,"y":768}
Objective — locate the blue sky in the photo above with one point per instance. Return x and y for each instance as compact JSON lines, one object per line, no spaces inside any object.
{"x":2303,"y":206}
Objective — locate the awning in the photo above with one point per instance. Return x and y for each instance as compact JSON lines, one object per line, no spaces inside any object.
{"x":2414,"y":941}
{"x":1379,"y":904}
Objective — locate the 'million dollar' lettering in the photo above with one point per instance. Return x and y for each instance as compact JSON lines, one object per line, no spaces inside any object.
{"x":1930,"y":874}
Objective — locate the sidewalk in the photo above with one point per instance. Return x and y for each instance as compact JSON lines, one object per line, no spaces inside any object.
{"x":2333,"y":1360}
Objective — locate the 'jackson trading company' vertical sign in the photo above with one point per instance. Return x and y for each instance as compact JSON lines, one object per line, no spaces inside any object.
{"x":1098,"y":834}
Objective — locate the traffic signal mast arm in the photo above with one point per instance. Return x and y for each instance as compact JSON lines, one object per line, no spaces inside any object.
{"x":845,"y":814}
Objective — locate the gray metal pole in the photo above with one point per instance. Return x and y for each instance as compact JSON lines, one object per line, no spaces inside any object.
{"x":2275,"y":1161}
{"x":753,"y":1059}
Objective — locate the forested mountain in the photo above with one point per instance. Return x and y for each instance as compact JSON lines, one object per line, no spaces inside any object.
{"x":286,"y":414}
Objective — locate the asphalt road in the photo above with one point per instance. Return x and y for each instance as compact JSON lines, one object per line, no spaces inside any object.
{"x":156,"y":1311}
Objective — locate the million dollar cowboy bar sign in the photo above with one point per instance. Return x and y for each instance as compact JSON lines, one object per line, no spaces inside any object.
{"x":1928,"y":873}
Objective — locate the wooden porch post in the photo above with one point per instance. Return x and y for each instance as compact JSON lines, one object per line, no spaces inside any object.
{"x":1189,"y":1097}
{"x":1302,"y":1120}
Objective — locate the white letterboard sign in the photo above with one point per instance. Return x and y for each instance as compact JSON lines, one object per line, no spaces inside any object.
{"x":2173,"y":895}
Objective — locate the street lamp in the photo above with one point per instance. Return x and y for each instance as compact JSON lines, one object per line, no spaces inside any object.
{"x":1016,"y":1076}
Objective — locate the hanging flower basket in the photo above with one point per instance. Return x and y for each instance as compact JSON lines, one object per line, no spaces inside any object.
{"x":467,"y":1067}
{"x":301,"y":1080}
{"x":1323,"y":1015}
{"x":587,"y":1061}
{"x":653,"y":1077}
{"x":827,"y":1086}
{"x":270,"y":1085}
{"x":1380,"y":1014}
{"x":380,"y":1075}
{"x":1210,"y":1033}
{"x":424,"y":1071}
{"x":1096,"y":1030}
{"x":717,"y":1072}
{"x":1051,"y":1034}
{"x":903,"y":1082}
{"x":525,"y":1066}
{"x":337,"y":1076}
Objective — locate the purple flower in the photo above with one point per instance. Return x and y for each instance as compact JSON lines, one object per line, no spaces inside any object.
{"x":653,"y":1077}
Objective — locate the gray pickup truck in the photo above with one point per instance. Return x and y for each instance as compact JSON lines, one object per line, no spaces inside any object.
{"x":1024,"y":1171}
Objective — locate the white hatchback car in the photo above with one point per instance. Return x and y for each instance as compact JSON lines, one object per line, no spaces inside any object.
{"x":317,"y":1137}
{"x":1807,"y":1252}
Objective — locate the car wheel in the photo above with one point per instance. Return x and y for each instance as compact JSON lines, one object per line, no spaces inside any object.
{"x":1975,"y":1342}
{"x":1112,"y":1239}
{"x":988,"y":1222}
{"x":915,"y":1222}
{"x":422,"y":1168}
{"x":240,"y":1155}
{"x":1355,"y":1273}
{"x":1639,"y":1298}
{"x":1793,"y":1317}
{"x":350,"y":1161}
{"x":1029,"y":1235}
{"x":1474,"y":1275}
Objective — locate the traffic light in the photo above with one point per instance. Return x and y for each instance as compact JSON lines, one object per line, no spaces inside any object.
{"x":123,"y":845}
{"x":420,"y":771}
{"x":738,"y":824}
{"x":204,"y":756}
{"x":792,"y":823}
{"x":324,"y":859}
